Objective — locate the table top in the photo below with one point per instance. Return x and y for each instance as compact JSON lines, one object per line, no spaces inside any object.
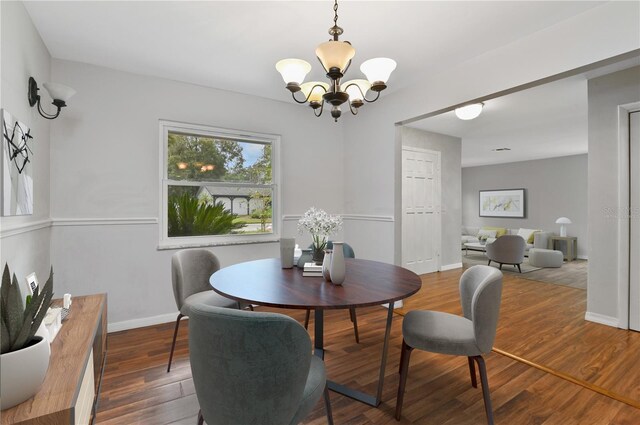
{"x":475,"y":245}
{"x":564,"y":238}
{"x":265,"y":282}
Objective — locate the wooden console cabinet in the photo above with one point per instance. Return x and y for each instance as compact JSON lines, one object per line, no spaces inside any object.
{"x":70,"y":390}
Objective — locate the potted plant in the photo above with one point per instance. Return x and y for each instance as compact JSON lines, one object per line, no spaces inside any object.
{"x":320,"y":225}
{"x":24,"y":356}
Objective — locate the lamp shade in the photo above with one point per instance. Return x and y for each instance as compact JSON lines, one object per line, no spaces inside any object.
{"x":335,"y":54}
{"x":356,"y":89}
{"x":293,"y":70}
{"x":316,"y":92}
{"x":59,"y":91}
{"x":378,"y":69}
{"x":469,"y":112}
{"x":563,"y":220}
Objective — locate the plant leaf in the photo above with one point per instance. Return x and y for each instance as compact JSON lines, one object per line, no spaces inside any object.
{"x":5,"y":343}
{"x":15,"y":310}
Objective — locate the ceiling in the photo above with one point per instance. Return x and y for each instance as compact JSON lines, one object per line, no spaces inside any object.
{"x":234,"y":45}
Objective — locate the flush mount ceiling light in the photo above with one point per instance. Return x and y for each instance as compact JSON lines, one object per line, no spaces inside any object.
{"x":469,"y":112}
{"x":335,"y":57}
{"x":58,"y":92}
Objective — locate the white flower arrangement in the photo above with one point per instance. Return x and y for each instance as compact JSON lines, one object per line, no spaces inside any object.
{"x":320,"y":225}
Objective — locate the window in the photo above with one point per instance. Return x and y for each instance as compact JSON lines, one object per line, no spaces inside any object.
{"x":218,"y":186}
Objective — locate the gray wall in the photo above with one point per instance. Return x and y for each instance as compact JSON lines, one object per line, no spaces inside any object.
{"x":555,"y":187}
{"x":605,"y":94}
{"x":25,"y":240}
{"x":450,"y":149}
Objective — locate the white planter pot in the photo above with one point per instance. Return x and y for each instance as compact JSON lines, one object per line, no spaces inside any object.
{"x":22,"y":372}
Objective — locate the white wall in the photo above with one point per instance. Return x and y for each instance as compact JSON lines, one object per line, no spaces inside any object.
{"x":372,"y":148}
{"x":605,"y":94}
{"x":450,"y":149}
{"x":24,"y":240}
{"x":105,"y":166}
{"x":555,"y":187}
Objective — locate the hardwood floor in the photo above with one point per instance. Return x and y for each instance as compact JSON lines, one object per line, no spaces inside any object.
{"x":540,"y":322}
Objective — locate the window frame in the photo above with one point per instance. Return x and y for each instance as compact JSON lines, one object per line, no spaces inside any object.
{"x":165,"y":242}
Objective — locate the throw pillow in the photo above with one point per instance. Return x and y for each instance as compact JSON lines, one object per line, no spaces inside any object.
{"x":530,"y":240}
{"x":500,"y":231}
{"x":526,"y":234}
{"x":486,"y":234}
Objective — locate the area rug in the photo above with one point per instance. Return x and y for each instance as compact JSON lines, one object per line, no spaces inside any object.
{"x":572,"y":274}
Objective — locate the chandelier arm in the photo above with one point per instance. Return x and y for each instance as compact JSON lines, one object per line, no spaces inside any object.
{"x":364,"y":95}
{"x":321,"y":109}
{"x":309,"y":96}
{"x":371,"y":100}
{"x":354,"y":111}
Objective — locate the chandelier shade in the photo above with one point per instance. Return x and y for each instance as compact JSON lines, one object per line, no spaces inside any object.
{"x":356,"y":89}
{"x":335,"y":54}
{"x":378,"y":69}
{"x":293,"y":70}
{"x":335,"y":57}
{"x":314,"y":90}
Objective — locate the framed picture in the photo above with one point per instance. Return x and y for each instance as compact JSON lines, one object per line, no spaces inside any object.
{"x":32,"y":282}
{"x":502,"y":203}
{"x":17,"y":180}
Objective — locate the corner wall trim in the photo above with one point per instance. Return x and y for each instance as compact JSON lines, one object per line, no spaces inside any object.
{"x":103,"y":221}
{"x":8,"y":231}
{"x":446,"y":267}
{"x":602,"y":319}
{"x":142,"y":322}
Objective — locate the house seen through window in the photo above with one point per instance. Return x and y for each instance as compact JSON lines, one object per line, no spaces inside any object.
{"x":217,"y":185}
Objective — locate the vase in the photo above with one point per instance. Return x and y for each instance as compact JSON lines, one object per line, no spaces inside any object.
{"x":305,"y":257}
{"x":337,"y":270}
{"x":318,"y":254}
{"x":326,"y":265}
{"x":23,"y":371}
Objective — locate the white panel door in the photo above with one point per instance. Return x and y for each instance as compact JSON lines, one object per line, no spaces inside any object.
{"x":634,"y":222}
{"x":420,"y":210}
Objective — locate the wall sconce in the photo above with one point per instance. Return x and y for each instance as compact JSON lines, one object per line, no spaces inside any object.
{"x":58,"y":92}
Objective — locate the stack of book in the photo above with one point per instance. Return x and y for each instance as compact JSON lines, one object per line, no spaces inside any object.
{"x":312,"y":270}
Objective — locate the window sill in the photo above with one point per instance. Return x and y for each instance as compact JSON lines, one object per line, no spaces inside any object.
{"x":169,"y":245}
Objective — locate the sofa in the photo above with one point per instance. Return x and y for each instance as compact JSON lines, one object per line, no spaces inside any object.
{"x":540,"y":237}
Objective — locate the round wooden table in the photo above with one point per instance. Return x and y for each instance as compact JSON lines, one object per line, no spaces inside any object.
{"x":367,"y":283}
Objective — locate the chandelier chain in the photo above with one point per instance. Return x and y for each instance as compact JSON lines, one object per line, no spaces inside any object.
{"x":335,"y":11}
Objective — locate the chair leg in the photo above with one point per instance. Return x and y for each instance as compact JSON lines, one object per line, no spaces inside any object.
{"x":173,"y":345}
{"x":251,"y":307}
{"x":200,"y":418}
{"x":500,"y":266}
{"x":327,"y":405}
{"x":488,"y":264}
{"x":485,"y":388}
{"x":404,"y":371}
{"x":306,"y":319}
{"x":354,"y":319}
{"x":519,"y":271}
{"x":472,"y":372}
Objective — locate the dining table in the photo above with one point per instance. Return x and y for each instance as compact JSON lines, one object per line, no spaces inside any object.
{"x":367,"y":283}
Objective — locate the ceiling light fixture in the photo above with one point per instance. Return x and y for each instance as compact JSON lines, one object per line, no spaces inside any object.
{"x":469,"y":112}
{"x":58,"y":92}
{"x":501,"y":149}
{"x":335,"y":57}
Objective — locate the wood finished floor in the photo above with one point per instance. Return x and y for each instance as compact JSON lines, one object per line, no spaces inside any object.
{"x":541,"y":322}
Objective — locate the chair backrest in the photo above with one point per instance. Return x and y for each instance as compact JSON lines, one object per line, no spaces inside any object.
{"x":507,"y":249}
{"x":480,"y":296}
{"x":247,"y":367}
{"x":346,"y":248}
{"x":190,"y":272}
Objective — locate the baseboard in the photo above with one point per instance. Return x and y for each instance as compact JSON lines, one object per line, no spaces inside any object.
{"x":450,"y":267}
{"x":583,"y":257}
{"x":142,"y":322}
{"x":602,"y":319}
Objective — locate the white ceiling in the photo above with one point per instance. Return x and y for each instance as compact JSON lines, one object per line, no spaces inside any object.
{"x":234,"y":45}
{"x":542,"y":122}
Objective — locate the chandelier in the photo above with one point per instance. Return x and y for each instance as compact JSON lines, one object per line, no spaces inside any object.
{"x":335,"y":57}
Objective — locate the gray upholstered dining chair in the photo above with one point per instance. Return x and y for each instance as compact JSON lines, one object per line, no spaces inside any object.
{"x":348,"y":253}
{"x":190,"y":272}
{"x":444,"y":333}
{"x":507,"y":249}
{"x":253,"y":368}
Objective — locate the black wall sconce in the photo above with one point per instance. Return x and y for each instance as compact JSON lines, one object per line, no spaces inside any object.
{"x":58,"y":92}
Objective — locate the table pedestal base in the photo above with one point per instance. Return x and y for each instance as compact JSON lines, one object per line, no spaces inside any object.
{"x":342,"y":389}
